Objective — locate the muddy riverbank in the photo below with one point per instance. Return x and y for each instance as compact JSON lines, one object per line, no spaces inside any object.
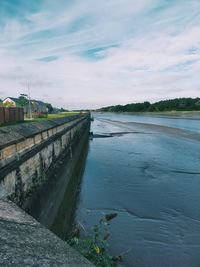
{"x":148,"y":172}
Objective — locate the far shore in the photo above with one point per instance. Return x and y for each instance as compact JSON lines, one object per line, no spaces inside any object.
{"x":161,"y":113}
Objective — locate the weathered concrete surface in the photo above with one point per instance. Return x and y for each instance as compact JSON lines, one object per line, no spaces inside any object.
{"x":29,"y":152}
{"x":16,"y":133}
{"x":53,"y":203}
{"x":24,"y":242}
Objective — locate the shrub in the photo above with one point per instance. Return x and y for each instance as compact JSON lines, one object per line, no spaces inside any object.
{"x":94,"y":246}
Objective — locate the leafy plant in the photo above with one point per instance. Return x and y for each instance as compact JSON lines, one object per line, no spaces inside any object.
{"x":94,"y":246}
{"x":23,"y":100}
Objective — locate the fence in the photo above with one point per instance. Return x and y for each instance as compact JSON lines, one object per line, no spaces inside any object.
{"x":11,"y":115}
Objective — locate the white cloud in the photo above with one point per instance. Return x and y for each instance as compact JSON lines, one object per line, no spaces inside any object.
{"x":152,"y":57}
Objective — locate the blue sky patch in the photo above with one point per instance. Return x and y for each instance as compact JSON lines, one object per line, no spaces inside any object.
{"x":48,"y":59}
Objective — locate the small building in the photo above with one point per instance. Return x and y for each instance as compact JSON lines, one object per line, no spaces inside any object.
{"x":11,"y":102}
{"x":38,"y":106}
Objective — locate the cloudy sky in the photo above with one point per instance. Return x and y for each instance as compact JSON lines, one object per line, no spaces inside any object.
{"x":92,"y":53}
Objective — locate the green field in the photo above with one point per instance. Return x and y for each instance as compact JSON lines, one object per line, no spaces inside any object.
{"x":52,"y":116}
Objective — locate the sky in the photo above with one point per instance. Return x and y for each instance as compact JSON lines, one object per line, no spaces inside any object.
{"x":90,"y":53}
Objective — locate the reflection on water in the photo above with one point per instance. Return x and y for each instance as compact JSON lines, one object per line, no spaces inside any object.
{"x":151,"y":177}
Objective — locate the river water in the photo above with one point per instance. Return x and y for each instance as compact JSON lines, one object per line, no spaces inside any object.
{"x":149,"y":173}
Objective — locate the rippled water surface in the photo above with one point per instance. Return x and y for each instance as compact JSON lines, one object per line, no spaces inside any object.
{"x":150,"y":176}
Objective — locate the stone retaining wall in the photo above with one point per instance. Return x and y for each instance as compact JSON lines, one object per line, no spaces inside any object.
{"x":29,"y":150}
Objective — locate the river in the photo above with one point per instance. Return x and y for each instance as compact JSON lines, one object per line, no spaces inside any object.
{"x":149,"y":173}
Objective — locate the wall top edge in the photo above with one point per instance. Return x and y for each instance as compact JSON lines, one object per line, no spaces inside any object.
{"x":16,"y":133}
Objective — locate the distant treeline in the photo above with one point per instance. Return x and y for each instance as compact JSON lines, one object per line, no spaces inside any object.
{"x":177,"y":104}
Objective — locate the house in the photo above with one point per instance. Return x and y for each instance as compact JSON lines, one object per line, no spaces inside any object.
{"x":11,"y":102}
{"x":38,"y":106}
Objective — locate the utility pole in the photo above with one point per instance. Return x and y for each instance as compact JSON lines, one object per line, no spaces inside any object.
{"x":29,"y":97}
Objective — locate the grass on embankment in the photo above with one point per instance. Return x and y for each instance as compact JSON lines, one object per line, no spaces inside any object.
{"x":53,"y":116}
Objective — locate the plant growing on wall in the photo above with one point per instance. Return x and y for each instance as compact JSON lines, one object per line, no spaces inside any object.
{"x":94,"y":246}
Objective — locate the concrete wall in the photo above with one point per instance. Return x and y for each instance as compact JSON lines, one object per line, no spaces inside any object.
{"x":29,"y":152}
{"x":25,"y":242}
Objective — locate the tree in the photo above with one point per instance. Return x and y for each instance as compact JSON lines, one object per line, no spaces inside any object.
{"x":50,"y":108}
{"x":23,"y":100}
{"x":178,"y":104}
{"x":197,"y":105}
{"x":63,"y":110}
